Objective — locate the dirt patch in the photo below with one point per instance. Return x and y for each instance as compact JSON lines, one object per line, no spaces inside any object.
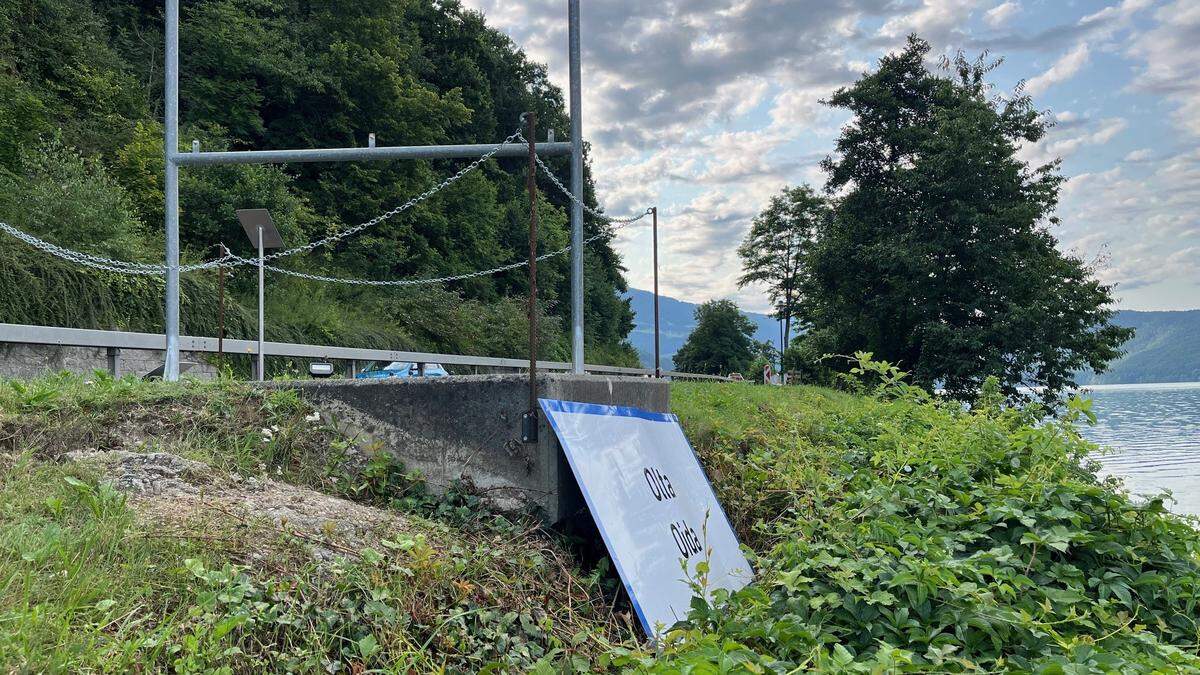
{"x":128,"y":426}
{"x":168,"y":490}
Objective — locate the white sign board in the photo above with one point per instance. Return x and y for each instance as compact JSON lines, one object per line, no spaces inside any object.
{"x":652,"y":503}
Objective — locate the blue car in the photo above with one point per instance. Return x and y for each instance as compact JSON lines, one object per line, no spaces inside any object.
{"x":402,"y":369}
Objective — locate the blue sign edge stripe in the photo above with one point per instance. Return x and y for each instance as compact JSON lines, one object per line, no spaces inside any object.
{"x":555,"y":405}
{"x":550,"y":405}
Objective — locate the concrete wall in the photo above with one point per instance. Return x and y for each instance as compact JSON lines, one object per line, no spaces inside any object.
{"x":470,"y":427}
{"x":25,"y":361}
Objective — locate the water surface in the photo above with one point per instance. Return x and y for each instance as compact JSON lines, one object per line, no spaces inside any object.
{"x":1154,"y":430}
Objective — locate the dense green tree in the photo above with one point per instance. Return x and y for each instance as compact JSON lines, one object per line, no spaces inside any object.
{"x":773,"y":251}
{"x":282,"y":74}
{"x":940,"y":256}
{"x":721,"y":342}
{"x":59,"y":195}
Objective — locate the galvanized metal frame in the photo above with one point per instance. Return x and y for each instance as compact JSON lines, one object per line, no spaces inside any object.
{"x":117,"y":340}
{"x":176,"y":159}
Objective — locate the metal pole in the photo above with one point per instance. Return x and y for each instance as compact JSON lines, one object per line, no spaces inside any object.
{"x":576,"y":189}
{"x":261,"y":357}
{"x":360,"y":154}
{"x":531,"y":186}
{"x":657,"y":361}
{"x":171,"y":188}
{"x":221,"y":313}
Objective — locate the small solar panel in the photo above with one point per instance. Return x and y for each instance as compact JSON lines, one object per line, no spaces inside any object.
{"x":252,"y":219}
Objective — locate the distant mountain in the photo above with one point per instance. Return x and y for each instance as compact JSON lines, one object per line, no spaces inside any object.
{"x":678,"y":320}
{"x":1166,"y":347}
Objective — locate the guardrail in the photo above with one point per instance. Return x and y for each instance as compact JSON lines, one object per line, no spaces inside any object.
{"x":116,"y":340}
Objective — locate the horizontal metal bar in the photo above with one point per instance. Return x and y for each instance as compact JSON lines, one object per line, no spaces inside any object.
{"x":80,"y":337}
{"x":367,"y":154}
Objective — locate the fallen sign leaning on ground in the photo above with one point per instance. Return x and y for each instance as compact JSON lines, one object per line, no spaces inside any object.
{"x":653,"y":504}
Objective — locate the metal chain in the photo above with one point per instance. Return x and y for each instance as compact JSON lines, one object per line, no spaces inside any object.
{"x":593,"y":212}
{"x":230,"y":260}
{"x":85,"y":259}
{"x":399,"y":209}
{"x":125,"y":267}
{"x":418,"y":282}
{"x":109,"y":264}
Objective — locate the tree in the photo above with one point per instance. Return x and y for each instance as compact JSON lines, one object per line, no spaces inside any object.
{"x":720,"y":343}
{"x":267,"y":74}
{"x":939,"y":256}
{"x":773,"y":251}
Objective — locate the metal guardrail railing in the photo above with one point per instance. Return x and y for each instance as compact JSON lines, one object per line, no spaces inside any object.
{"x":112,"y":339}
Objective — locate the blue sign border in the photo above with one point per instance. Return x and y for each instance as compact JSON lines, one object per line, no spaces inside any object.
{"x":555,"y":405}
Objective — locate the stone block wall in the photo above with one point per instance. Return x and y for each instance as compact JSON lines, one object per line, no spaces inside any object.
{"x":18,"y":360}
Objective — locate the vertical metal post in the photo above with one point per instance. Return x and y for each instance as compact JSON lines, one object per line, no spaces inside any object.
{"x":530,"y":420}
{"x":576,"y":188}
{"x":114,"y":361}
{"x":221,"y":313}
{"x":657,"y":360}
{"x":261,"y":357}
{"x":171,"y":188}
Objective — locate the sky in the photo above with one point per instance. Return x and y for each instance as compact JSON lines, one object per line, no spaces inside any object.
{"x":707,"y":108}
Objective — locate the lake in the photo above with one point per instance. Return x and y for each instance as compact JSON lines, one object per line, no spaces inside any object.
{"x":1154,"y":430}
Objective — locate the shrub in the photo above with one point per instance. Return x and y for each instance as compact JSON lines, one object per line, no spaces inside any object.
{"x":898,"y":533}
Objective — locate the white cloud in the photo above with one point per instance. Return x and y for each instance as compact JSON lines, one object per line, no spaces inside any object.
{"x":1071,"y":134}
{"x":932,"y":19}
{"x":1147,"y":222}
{"x":1171,"y":68}
{"x":1119,"y":12}
{"x":1139,"y":155}
{"x":1063,"y":69}
{"x":707,"y":108}
{"x":1002,"y":13}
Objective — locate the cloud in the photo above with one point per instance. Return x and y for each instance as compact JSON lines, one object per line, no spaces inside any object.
{"x":1139,"y":155}
{"x":1070,"y":134}
{"x":1147,"y":221}
{"x":934,"y":20}
{"x":1171,"y":69}
{"x":1063,"y":69}
{"x":708,"y":107}
{"x":1001,"y":14}
{"x":1095,"y":27}
{"x":1119,"y":12}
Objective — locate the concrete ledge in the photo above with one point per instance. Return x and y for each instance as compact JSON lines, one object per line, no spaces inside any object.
{"x":470,"y":427}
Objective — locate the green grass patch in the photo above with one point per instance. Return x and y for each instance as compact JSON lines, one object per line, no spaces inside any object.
{"x":890,"y":532}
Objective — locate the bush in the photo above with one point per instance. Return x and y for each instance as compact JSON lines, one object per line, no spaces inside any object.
{"x":805,"y":357}
{"x":897,"y":533}
{"x":70,"y":200}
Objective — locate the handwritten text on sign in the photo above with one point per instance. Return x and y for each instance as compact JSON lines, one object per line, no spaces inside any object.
{"x":652,"y":502}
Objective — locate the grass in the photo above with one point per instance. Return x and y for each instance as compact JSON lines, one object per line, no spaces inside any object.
{"x":891,"y":532}
{"x":87,"y":583}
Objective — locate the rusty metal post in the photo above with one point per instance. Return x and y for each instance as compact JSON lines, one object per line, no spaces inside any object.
{"x":529,"y":426}
{"x":657,"y":360}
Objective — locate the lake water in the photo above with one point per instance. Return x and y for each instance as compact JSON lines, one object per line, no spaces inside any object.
{"x":1154,"y":430}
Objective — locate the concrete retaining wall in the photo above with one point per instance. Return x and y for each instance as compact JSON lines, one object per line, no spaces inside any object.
{"x":470,"y":427}
{"x":28,"y":360}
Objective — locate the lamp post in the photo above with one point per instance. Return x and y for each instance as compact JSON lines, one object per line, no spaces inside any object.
{"x":261,"y":231}
{"x":657,"y":360}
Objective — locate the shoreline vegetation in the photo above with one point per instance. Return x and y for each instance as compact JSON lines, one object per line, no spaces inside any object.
{"x":219,"y":527}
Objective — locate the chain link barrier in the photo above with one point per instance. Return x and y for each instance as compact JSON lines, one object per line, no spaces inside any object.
{"x":599,"y":215}
{"x":232,"y":260}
